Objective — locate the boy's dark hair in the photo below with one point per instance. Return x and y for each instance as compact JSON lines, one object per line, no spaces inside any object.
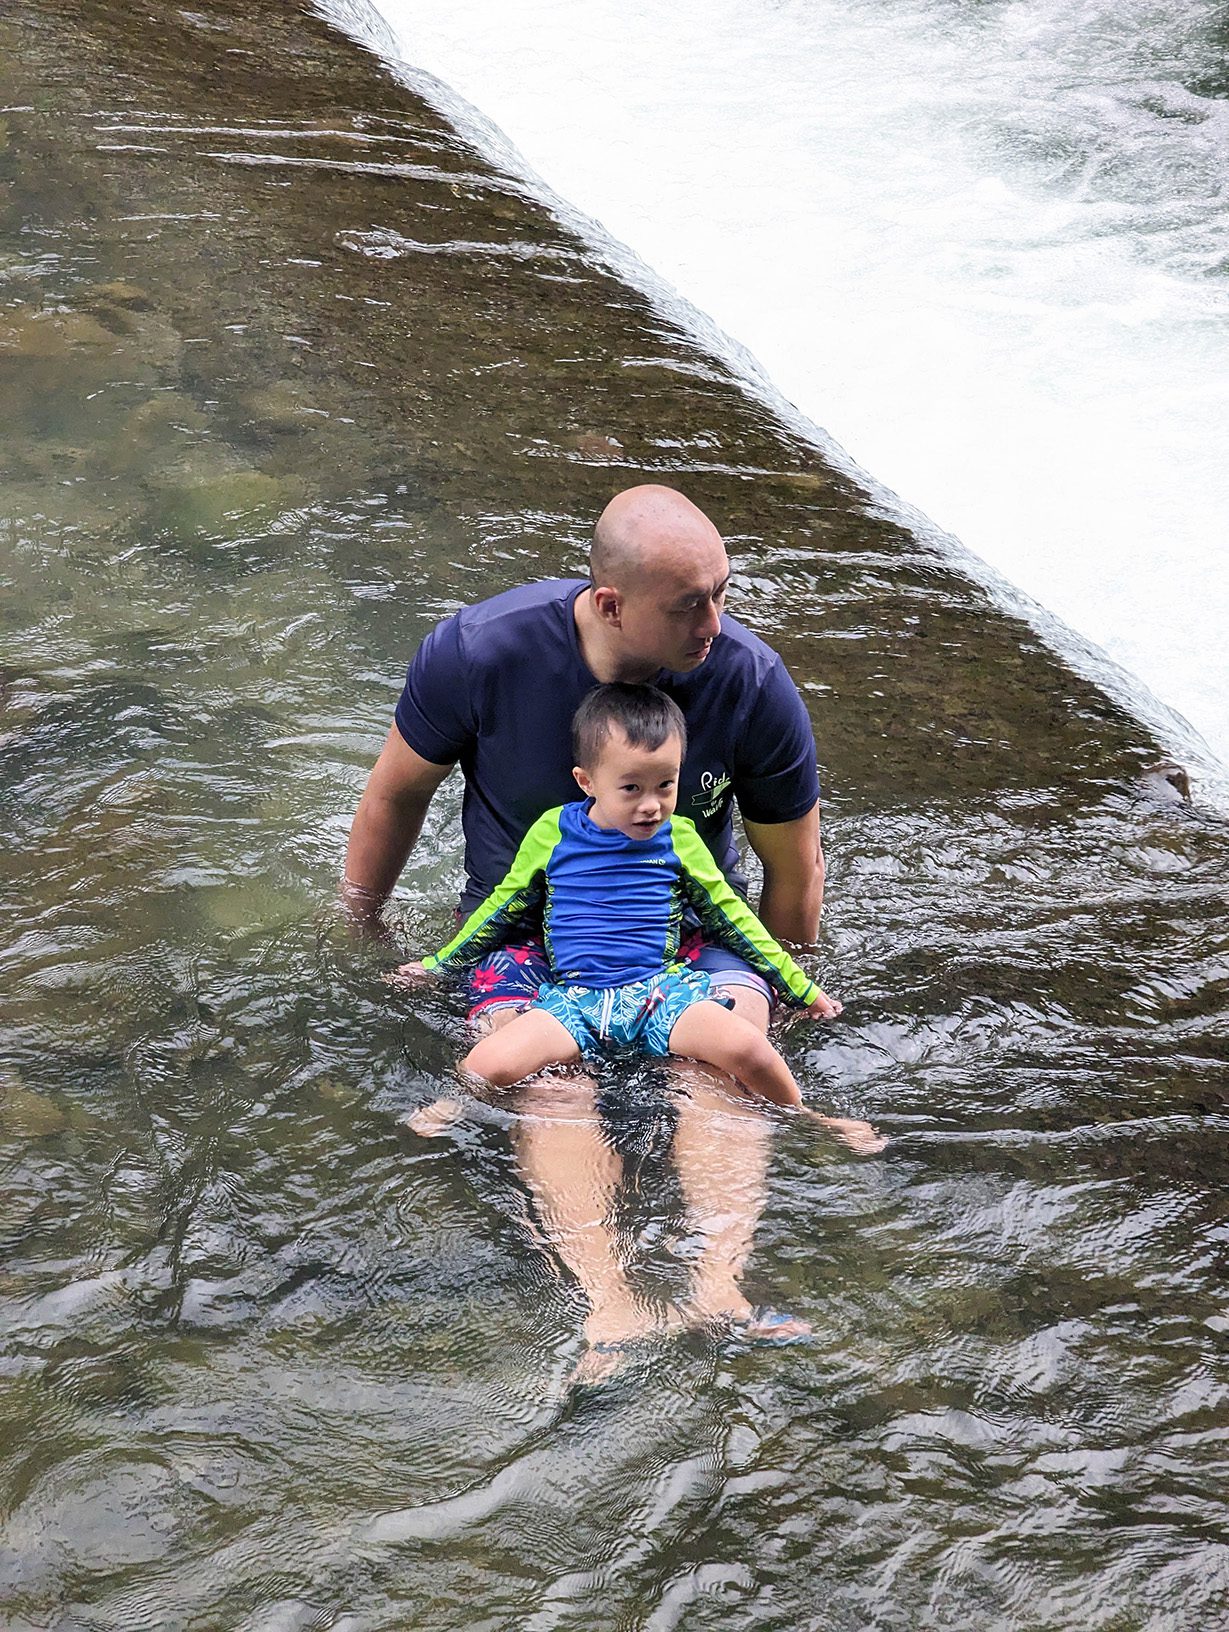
{"x":646,"y":715}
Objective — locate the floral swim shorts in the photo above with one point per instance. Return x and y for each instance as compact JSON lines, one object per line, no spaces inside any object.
{"x":639,"y":1016}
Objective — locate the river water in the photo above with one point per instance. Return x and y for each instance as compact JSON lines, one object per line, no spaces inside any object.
{"x":288,"y":369}
{"x":983,"y":245}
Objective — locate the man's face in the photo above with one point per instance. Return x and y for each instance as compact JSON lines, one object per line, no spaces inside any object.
{"x":634,"y":789}
{"x":670,"y":615}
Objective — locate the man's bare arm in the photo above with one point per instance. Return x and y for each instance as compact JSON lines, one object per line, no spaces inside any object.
{"x":793,"y":860}
{"x":386,"y":826}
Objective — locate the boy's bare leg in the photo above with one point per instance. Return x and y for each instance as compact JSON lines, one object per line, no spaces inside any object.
{"x":716,"y":1035}
{"x":527,"y":1044}
{"x":723,"y":1038}
{"x":513,"y":1044}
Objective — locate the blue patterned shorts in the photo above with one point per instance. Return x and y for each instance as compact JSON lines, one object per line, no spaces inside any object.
{"x":512,"y":975}
{"x":639,"y":1016}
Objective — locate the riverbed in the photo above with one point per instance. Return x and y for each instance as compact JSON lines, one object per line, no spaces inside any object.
{"x":289,"y":370}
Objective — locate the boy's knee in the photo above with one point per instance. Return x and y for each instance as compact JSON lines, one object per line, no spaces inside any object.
{"x":747,"y":1048}
{"x":479,"y":1064}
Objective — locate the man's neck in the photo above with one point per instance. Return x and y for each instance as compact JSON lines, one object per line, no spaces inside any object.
{"x":600,"y":653}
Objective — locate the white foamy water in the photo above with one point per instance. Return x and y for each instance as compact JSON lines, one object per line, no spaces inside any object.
{"x":985,"y":246}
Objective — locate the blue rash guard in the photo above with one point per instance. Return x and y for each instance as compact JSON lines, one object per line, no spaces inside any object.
{"x":495,"y":687}
{"x":612,"y":906}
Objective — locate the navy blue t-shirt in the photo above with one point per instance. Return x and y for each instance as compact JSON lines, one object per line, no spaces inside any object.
{"x":495,"y":687}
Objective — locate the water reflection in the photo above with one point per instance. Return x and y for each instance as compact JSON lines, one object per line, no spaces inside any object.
{"x":268,"y":1361}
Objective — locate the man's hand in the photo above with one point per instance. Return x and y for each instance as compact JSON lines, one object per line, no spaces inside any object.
{"x":824,"y":1007}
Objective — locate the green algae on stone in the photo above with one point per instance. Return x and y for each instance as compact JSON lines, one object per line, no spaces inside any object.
{"x":226,"y":506}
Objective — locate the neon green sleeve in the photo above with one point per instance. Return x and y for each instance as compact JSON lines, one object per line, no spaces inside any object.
{"x":726,"y":918}
{"x":518,"y":893}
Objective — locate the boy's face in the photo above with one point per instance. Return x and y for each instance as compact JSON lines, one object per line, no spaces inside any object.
{"x":634,"y":790}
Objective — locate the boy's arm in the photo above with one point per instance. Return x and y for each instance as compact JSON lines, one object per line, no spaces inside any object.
{"x":517,"y":893}
{"x":728,"y":919}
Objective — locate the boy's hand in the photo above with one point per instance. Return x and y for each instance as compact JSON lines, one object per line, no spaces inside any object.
{"x":824,"y":1007}
{"x":429,"y":1120}
{"x":409,"y":976}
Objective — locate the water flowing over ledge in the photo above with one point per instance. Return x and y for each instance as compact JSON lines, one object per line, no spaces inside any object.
{"x":985,"y":247}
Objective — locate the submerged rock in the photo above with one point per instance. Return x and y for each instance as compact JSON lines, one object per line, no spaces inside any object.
{"x":1167,"y":782}
{"x":596,"y":445}
{"x":127,"y":296}
{"x":169,"y":408}
{"x":280,"y":409}
{"x":36,"y":335}
{"x":225,"y":506}
{"x":25,"y":1114}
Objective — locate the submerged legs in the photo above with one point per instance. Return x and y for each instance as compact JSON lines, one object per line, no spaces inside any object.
{"x":574,"y":1175}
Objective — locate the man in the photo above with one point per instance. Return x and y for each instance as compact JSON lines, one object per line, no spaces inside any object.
{"x":494,"y":688}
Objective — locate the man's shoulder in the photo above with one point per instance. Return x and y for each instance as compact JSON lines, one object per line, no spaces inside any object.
{"x":740,"y":669}
{"x":742,"y":651}
{"x":514,"y":611}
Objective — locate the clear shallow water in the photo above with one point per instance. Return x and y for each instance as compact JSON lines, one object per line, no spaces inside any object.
{"x":983,"y":246}
{"x":265,"y":1359}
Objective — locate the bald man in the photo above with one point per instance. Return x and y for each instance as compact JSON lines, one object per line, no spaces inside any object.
{"x":494,"y":687}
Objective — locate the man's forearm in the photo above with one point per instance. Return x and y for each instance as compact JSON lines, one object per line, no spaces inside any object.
{"x":381,"y":839}
{"x":792,"y":856}
{"x":790,"y":907}
{"x":386,"y":826}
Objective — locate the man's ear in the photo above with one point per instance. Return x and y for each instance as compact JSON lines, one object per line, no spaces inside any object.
{"x":606,"y":605}
{"x":584,"y":780}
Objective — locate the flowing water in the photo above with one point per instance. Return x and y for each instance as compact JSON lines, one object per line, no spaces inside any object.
{"x":984,"y":245}
{"x":288,"y":369}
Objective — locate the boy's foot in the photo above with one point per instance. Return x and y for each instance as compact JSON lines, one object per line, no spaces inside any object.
{"x":429,"y":1120}
{"x":859,"y":1136}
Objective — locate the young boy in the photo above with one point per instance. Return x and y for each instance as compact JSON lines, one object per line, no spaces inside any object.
{"x":611,"y":878}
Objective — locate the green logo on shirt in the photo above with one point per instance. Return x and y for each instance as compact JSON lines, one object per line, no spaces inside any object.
{"x":713,"y":789}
